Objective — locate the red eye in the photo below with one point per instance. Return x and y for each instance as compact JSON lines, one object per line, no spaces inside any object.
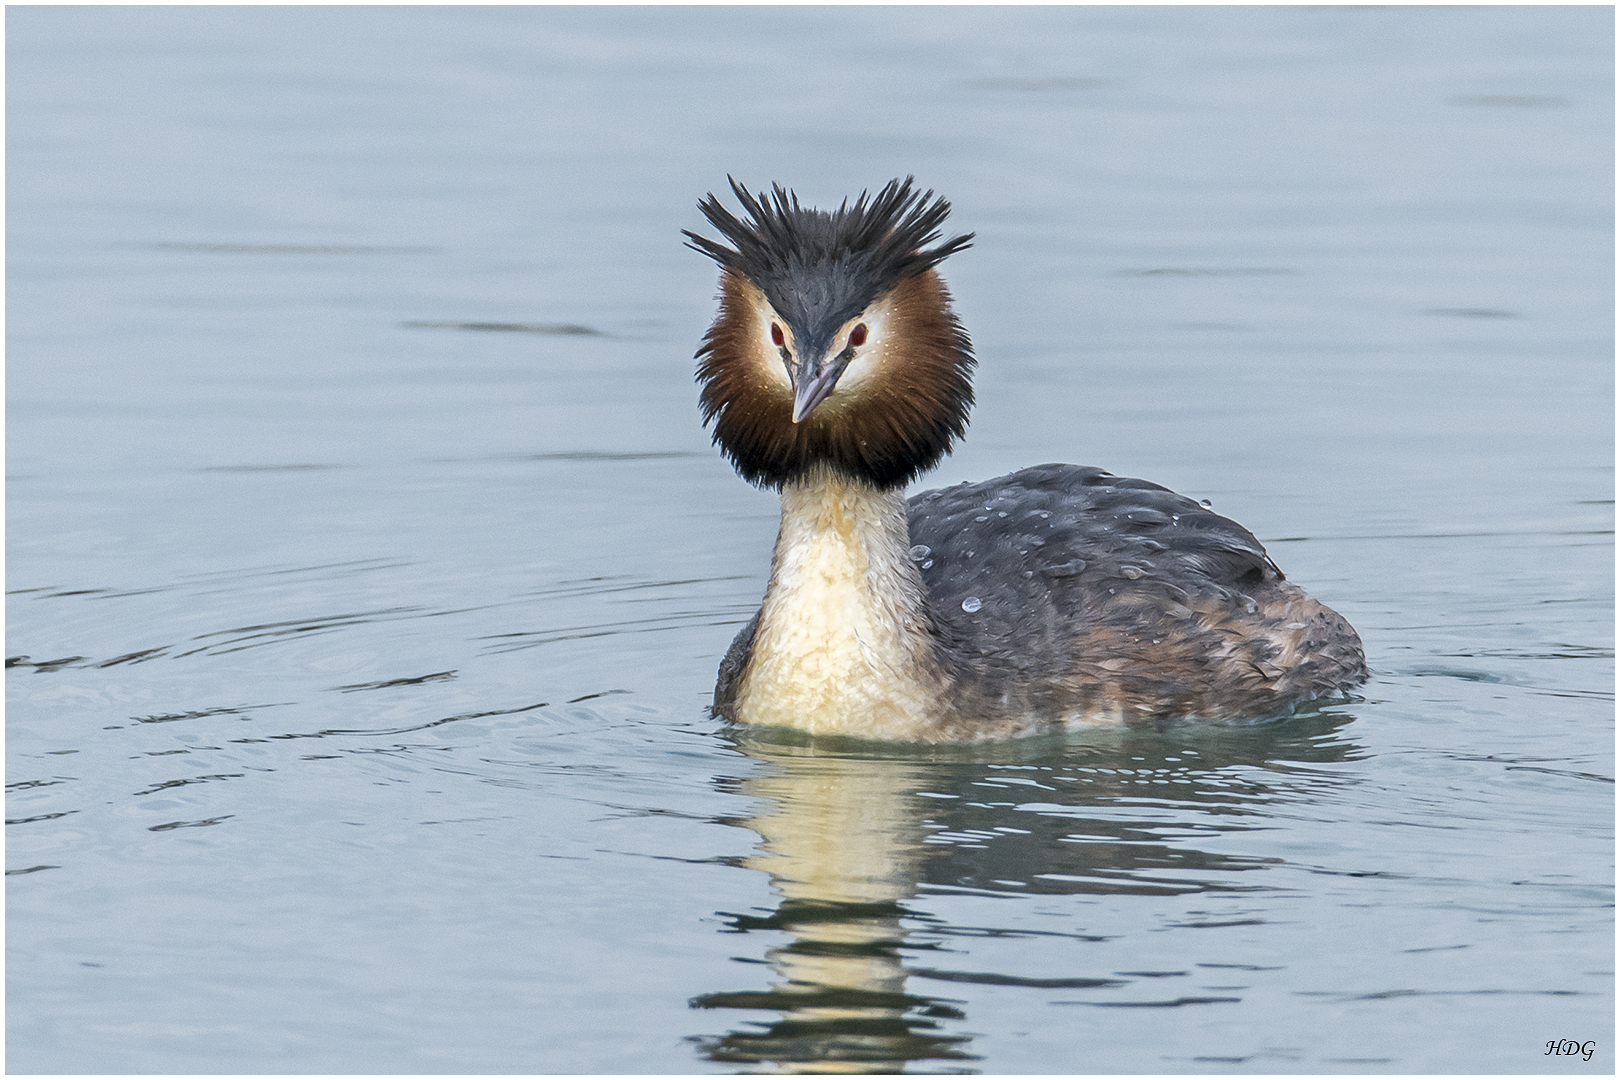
{"x":857,"y":336}
{"x":776,"y":335}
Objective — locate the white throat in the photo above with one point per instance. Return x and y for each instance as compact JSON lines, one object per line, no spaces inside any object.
{"x":842,"y":645}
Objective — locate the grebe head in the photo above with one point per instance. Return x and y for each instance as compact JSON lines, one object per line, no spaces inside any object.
{"x":835,"y":345}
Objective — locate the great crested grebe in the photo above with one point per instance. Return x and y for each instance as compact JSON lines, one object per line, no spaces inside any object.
{"x":1054,"y":597}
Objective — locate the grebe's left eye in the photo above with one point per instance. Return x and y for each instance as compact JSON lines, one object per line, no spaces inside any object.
{"x":776,"y":335}
{"x":857,"y":336}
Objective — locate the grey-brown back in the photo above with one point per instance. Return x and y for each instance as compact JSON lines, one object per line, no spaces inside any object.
{"x":1064,"y":586}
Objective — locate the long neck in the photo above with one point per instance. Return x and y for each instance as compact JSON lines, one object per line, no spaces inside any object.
{"x":843,"y":644}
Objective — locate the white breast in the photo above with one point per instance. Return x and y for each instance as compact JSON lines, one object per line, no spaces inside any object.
{"x":841,"y":647}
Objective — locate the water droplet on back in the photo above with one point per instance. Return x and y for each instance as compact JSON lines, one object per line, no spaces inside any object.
{"x":972,"y":604}
{"x":920,"y":551}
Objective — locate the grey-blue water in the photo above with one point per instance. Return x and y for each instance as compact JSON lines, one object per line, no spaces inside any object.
{"x":368,"y":566}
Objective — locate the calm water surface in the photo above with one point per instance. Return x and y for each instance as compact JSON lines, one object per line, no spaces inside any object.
{"x":368,"y":567}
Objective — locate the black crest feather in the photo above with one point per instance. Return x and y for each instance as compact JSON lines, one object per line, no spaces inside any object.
{"x":820,"y":267}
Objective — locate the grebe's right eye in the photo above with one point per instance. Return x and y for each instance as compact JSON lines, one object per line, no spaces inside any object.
{"x":776,"y":335}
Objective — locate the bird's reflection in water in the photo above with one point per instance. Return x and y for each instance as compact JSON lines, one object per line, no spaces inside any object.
{"x":851,"y":833}
{"x":841,"y":838}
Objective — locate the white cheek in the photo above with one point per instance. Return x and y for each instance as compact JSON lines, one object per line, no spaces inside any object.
{"x":870,"y":359}
{"x":861,"y":369}
{"x":770,"y":362}
{"x":767,"y":354}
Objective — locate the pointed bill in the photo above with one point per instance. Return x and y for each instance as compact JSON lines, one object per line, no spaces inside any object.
{"x":813,"y":384}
